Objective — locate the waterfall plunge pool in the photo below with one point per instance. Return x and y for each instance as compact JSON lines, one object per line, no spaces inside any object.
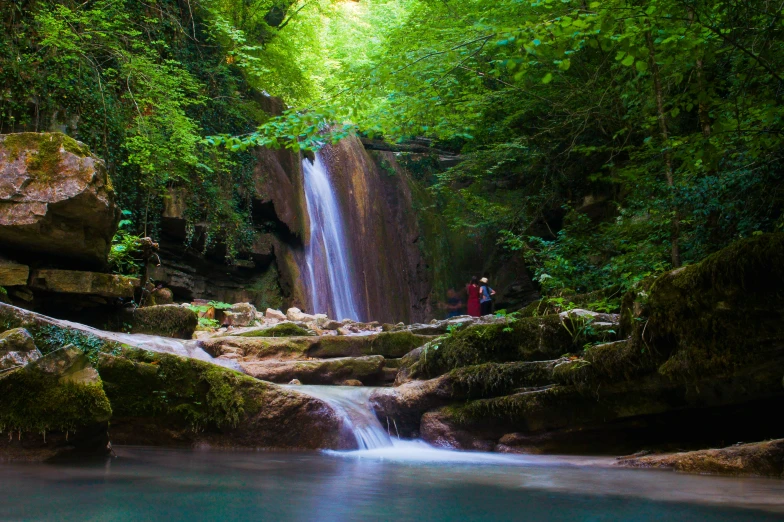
{"x":153,"y":484}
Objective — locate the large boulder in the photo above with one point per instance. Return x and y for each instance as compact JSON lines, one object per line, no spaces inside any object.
{"x":240,"y":314}
{"x":55,"y":198}
{"x":162,"y":399}
{"x":721,"y":314}
{"x":174,"y":321}
{"x":17,"y":348}
{"x":54,"y":405}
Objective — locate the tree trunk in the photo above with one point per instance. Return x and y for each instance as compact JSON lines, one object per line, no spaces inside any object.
{"x":662,"y":116}
{"x":702,"y":107}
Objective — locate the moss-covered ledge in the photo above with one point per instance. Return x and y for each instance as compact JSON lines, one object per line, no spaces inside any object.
{"x":165,"y":399}
{"x":528,"y":339}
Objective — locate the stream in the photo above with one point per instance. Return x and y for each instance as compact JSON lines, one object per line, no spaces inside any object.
{"x":172,"y":485}
{"x":385,"y":479}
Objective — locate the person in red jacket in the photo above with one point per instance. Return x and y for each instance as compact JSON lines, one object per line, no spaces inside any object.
{"x":473,"y":297}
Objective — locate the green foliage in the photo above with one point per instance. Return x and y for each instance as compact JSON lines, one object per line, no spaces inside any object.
{"x":207,"y":323}
{"x":595,"y":136}
{"x":49,"y":337}
{"x":143,"y":84}
{"x":125,"y":252}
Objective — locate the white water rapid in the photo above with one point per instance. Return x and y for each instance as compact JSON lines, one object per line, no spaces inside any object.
{"x":377,"y":441}
{"x":352,"y":404}
{"x":327,"y":255}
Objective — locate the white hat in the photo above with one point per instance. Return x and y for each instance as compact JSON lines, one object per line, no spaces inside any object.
{"x":483,"y":280}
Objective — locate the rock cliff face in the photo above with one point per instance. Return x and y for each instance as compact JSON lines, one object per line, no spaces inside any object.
{"x":58,"y":217}
{"x":383,"y":231}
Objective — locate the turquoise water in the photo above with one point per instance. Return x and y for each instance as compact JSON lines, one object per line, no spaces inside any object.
{"x":397,"y":484}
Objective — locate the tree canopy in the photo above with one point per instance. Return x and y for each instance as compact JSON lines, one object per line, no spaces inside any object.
{"x":603,"y":141}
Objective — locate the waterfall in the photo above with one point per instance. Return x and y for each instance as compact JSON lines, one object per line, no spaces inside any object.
{"x":327,"y":258}
{"x":352,"y":404}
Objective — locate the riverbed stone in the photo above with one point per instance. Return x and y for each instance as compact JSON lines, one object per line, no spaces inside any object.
{"x":56,"y":198}
{"x":295,"y":314}
{"x":259,"y":348}
{"x":440,"y":432}
{"x":274,"y":314}
{"x":240,"y":314}
{"x":388,"y":344}
{"x":286,"y":329}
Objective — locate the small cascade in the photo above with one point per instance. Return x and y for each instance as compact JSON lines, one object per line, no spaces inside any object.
{"x":327,"y":258}
{"x":352,"y":403}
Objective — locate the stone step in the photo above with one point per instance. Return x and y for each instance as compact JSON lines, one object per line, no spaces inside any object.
{"x":393,"y":363}
{"x":367,"y":369}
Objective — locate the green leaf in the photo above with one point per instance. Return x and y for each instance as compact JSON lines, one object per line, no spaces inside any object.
{"x":547,"y":78}
{"x":628,"y":60}
{"x":564,"y":65}
{"x":641,"y":65}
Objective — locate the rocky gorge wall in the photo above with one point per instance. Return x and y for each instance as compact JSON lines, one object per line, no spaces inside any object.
{"x":58,"y":214}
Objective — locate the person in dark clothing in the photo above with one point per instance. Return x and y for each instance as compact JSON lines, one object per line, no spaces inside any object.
{"x":485,"y":297}
{"x":454,"y":305}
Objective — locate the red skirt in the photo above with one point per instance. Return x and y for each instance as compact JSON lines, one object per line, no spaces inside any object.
{"x":473,"y":307}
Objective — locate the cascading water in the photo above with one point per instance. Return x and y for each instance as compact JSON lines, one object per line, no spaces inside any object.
{"x":328,"y":266}
{"x":352,"y":404}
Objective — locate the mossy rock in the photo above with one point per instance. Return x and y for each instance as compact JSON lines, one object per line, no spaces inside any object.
{"x":535,"y":309}
{"x":495,"y":379}
{"x":38,"y":401}
{"x":166,"y":399}
{"x":721,"y":314}
{"x":165,"y":320}
{"x":607,"y":363}
{"x":367,"y":369}
{"x":279,"y":330}
{"x":527,"y":339}
{"x":43,"y":151}
{"x":140,"y":383}
{"x":259,"y":347}
{"x":388,"y":344}
{"x":49,"y":336}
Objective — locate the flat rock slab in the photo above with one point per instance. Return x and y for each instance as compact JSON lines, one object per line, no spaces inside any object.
{"x":391,"y":345}
{"x":12,"y":274}
{"x":88,"y":283}
{"x":764,"y":459}
{"x":368,"y":370}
